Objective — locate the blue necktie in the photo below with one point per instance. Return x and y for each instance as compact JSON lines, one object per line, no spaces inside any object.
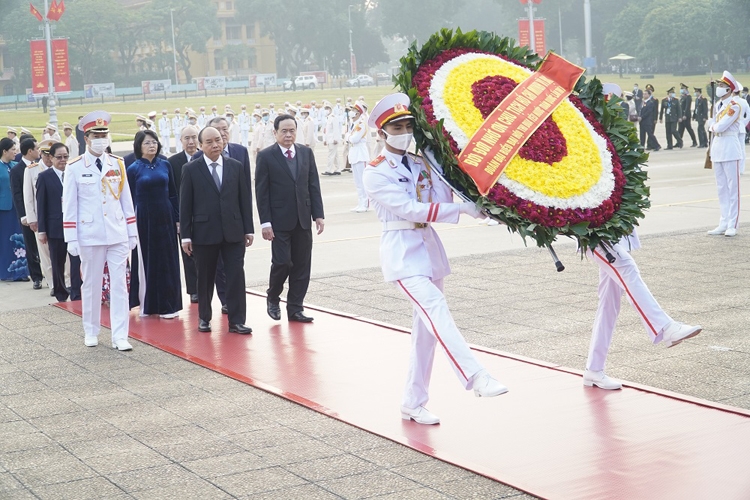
{"x":405,"y":162}
{"x":99,"y":164}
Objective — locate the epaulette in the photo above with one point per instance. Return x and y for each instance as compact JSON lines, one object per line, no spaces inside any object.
{"x":75,"y":159}
{"x":415,"y":156}
{"x":32,"y":165}
{"x":115,"y":156}
{"x":377,"y":161}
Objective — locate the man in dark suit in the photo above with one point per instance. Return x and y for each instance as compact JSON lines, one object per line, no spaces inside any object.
{"x":216,"y":218}
{"x":189,"y":139}
{"x":686,"y":103}
{"x":81,"y":138}
{"x":637,"y":98}
{"x":49,"y":189}
{"x":647,"y":121}
{"x":29,"y":156}
{"x":700,"y":114}
{"x":287,"y":190}
{"x":670,"y":114}
{"x":239,"y":153}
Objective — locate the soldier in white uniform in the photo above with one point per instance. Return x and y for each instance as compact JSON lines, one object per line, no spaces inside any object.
{"x":359,"y":155}
{"x":744,"y":120}
{"x":51,"y":133}
{"x":726,"y":152}
{"x":140,"y":122}
{"x":214,"y":114}
{"x":263,"y":135}
{"x":30,"y":175}
{"x":177,"y":125}
{"x":201,"y":117}
{"x":407,"y":199}
{"x":70,"y":140}
{"x":13,"y":135}
{"x":99,"y":225}
{"x":272,"y":114}
{"x":165,"y":130}
{"x":244,"y":120}
{"x":307,"y":129}
{"x":331,"y":138}
{"x":340,"y":113}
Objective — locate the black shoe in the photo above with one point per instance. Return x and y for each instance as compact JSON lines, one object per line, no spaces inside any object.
{"x":693,"y":145}
{"x":327,"y":173}
{"x":37,"y":285}
{"x":336,"y":173}
{"x":51,"y":292}
{"x":193,"y":298}
{"x":241,"y":329}
{"x":224,"y":309}
{"x":204,"y":326}
{"x":300,"y":317}
{"x":668,"y":148}
{"x":679,"y":145}
{"x":273,"y":309}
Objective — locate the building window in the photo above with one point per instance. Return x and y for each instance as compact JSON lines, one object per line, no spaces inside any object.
{"x":234,"y":32}
{"x":252,"y":58}
{"x":228,"y":6}
{"x":218,"y":60}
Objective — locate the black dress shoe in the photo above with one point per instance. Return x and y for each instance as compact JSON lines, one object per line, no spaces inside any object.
{"x":37,"y":285}
{"x":224,"y":309}
{"x":300,"y":317}
{"x":273,"y":309}
{"x":193,"y":298}
{"x":204,"y":326}
{"x":51,"y":292}
{"x":241,"y":329}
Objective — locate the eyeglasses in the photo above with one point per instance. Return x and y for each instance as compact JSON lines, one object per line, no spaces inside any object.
{"x":150,"y":143}
{"x":61,"y":157}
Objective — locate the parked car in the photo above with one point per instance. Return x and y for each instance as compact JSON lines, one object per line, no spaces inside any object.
{"x":301,"y":82}
{"x":360,"y":81}
{"x":383,"y":77}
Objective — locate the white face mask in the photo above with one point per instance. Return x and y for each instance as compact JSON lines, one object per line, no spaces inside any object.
{"x":98,"y":146}
{"x":721,"y":92}
{"x":400,"y":142}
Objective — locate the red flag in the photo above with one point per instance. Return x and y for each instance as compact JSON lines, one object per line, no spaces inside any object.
{"x":35,"y":12}
{"x":60,"y":10}
{"x":52,"y":12}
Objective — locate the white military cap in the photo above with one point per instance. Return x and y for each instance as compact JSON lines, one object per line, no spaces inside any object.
{"x":391,"y":108}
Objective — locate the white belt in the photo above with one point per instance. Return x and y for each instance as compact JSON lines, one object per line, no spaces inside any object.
{"x":397,"y":225}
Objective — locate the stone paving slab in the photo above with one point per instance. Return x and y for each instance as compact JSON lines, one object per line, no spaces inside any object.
{"x":96,"y":423}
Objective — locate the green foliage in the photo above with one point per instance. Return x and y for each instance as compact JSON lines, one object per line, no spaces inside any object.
{"x":621,"y":132}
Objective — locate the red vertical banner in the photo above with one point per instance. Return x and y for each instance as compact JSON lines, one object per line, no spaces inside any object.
{"x":353,"y":62}
{"x":39,"y":67}
{"x":60,"y":69}
{"x":539,"y":39}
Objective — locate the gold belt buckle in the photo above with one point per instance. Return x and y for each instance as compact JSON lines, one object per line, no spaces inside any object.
{"x":420,"y":225}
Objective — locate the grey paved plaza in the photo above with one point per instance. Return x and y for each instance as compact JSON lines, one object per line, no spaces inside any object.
{"x":80,"y":423}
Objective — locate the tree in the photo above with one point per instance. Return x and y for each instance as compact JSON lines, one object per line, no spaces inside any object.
{"x":417,"y":20}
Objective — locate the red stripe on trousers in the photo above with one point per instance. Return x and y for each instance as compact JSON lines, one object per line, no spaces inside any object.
{"x":632,"y":299}
{"x":737,"y":220}
{"x":434,"y":330}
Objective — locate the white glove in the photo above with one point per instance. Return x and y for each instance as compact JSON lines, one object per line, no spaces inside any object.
{"x":73,"y":249}
{"x":133,"y":242}
{"x":471,"y":209}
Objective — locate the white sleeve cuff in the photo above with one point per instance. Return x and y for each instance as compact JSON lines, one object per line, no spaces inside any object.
{"x":187,"y":240}
{"x":265,"y":225}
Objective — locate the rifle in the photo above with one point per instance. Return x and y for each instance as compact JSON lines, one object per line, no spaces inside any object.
{"x":707,"y":163}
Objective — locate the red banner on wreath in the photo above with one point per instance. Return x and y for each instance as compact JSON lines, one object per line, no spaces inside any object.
{"x":39,"y":67}
{"x":60,"y":69}
{"x":510,"y":125}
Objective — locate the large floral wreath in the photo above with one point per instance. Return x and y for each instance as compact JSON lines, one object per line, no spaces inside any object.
{"x":578,"y":175}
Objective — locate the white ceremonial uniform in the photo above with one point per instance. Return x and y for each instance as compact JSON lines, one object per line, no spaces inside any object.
{"x":358,"y":157}
{"x":244,"y":122}
{"x":332,"y":136}
{"x":272,"y":114}
{"x":744,"y":120}
{"x":308,"y":132}
{"x":263,"y":135}
{"x":165,"y":131}
{"x":413,"y":258}
{"x":622,"y":276}
{"x":30,"y":175}
{"x":177,"y":131}
{"x":54,"y":136}
{"x":202,"y":120}
{"x":726,"y":152}
{"x":98,"y":214}
{"x":72,"y":143}
{"x":234,"y":131}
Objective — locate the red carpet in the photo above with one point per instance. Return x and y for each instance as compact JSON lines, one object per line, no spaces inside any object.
{"x":548,"y":436}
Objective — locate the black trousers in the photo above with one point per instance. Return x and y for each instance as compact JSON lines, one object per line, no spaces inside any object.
{"x":32,"y":253}
{"x":685,"y":125}
{"x":291,"y":257}
{"x":702,"y":137}
{"x":206,"y":259}
{"x":672,"y":132}
{"x":188,"y":266}
{"x":648,"y":139}
{"x":58,"y":254}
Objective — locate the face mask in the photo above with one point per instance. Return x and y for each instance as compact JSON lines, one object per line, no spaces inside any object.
{"x":635,"y":87}
{"x":400,"y":142}
{"x":671,"y":94}
{"x":721,"y":91}
{"x":352,"y":114}
{"x":265,"y":118}
{"x":696,"y":94}
{"x":99,"y":145}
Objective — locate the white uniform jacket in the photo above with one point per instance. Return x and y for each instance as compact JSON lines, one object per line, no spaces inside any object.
{"x":72,"y":144}
{"x":30,"y":175}
{"x":177,"y":126}
{"x":165,"y":127}
{"x":263,"y":135}
{"x":744,"y":114}
{"x":725,"y":145}
{"x":358,"y":150}
{"x":244,"y":121}
{"x":308,"y":134}
{"x":332,"y":129}
{"x":399,"y":197}
{"x":97,"y":206}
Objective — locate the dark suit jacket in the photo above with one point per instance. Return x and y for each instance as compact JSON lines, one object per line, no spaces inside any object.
{"x":701,"y":109}
{"x":283,"y":200}
{"x":177,"y":161}
{"x":649,"y":112}
{"x":686,"y":103}
{"x":49,"y":203}
{"x":16,"y":187}
{"x":208,"y":217}
{"x":239,"y":153}
{"x":673,"y":105}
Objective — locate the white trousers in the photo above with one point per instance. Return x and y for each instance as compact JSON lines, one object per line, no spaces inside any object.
{"x":727,"y":175}
{"x":92,"y":268}
{"x":165,"y":143}
{"x":358,"y":169}
{"x":177,"y":143}
{"x":44,"y":260}
{"x":244,"y":134}
{"x":433,"y":323}
{"x":617,"y":278}
{"x":333,"y":158}
{"x":742,"y":146}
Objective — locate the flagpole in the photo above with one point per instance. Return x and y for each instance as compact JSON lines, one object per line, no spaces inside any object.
{"x":50,"y":75}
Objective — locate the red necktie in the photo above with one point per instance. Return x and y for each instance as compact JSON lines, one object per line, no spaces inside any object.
{"x":289,"y":153}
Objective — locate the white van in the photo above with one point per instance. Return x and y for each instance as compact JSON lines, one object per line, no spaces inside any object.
{"x":302,"y":82}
